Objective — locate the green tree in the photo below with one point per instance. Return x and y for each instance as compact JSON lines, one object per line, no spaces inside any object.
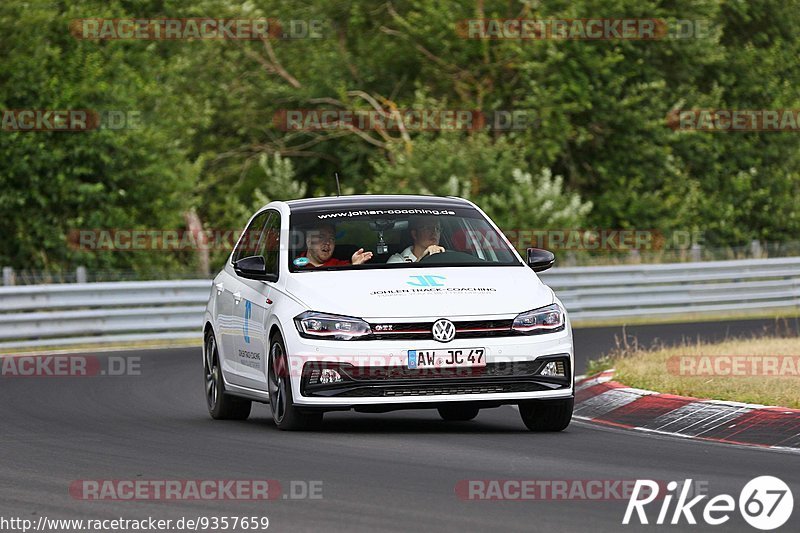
{"x":52,"y":183}
{"x":493,"y":174}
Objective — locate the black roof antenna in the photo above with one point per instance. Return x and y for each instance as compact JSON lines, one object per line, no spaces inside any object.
{"x":338,"y":189}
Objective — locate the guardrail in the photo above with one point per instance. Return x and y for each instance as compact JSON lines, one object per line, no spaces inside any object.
{"x":658,"y":290}
{"x":85,"y":313}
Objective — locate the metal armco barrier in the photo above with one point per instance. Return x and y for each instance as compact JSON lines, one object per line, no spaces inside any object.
{"x":85,"y":313}
{"x":659,"y":290}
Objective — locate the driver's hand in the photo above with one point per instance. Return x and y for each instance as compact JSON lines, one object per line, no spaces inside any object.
{"x":360,"y":256}
{"x":433,"y":249}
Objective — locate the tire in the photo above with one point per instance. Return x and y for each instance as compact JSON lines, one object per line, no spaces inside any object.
{"x":458,"y":413}
{"x":221,"y":406}
{"x":546,"y":415}
{"x":284,"y":413}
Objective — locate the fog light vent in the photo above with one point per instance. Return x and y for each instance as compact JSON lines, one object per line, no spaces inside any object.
{"x":553,"y":369}
{"x":329,"y":375}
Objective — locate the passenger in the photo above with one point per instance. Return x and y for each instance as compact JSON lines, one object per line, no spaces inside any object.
{"x":425,"y":232}
{"x":320,"y":243}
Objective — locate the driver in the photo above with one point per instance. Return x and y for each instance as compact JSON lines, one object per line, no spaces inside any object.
{"x":320,"y":243}
{"x":425,"y":232}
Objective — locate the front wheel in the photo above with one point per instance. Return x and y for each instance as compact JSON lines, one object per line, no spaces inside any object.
{"x":221,"y":406}
{"x":284,"y":413}
{"x":547,"y":415}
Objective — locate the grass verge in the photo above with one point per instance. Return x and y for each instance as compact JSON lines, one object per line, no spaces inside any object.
{"x":784,"y":314}
{"x":705,"y":370}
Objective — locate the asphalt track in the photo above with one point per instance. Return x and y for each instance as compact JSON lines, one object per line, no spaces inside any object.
{"x":388,"y":472}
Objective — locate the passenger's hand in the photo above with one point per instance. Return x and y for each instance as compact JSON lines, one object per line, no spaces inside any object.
{"x":360,"y":257}
{"x":433,"y":249}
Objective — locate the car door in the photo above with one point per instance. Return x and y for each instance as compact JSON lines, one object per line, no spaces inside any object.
{"x":228,"y":290}
{"x":251,"y":342}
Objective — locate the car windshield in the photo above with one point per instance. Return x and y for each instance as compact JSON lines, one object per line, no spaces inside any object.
{"x":394,"y":237}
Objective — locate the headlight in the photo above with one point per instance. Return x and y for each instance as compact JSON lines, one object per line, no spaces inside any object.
{"x":542,"y":320}
{"x":314,"y":325}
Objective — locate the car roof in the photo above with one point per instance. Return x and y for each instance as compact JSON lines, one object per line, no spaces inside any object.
{"x":376,"y":201}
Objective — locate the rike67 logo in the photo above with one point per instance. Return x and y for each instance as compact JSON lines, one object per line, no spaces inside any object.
{"x":765,"y":503}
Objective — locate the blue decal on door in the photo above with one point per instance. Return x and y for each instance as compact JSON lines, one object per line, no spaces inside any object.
{"x":248,"y":312}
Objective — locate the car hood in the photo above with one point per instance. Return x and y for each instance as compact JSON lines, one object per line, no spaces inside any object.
{"x":421,"y":292}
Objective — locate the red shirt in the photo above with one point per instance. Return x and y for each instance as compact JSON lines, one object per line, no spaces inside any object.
{"x":332,"y":262}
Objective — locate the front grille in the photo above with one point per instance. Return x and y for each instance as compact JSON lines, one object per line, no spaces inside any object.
{"x":441,"y":390}
{"x":422,"y":330}
{"x":375,"y":373}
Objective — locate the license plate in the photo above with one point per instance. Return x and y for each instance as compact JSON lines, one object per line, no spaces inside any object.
{"x":460,"y":358}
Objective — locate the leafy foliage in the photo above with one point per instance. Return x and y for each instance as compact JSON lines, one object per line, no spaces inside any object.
{"x":598,"y":152}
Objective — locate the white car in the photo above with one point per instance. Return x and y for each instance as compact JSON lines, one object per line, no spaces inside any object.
{"x":377,"y":303}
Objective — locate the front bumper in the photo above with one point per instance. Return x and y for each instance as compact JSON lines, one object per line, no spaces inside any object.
{"x":400,"y":381}
{"x":376,"y":373}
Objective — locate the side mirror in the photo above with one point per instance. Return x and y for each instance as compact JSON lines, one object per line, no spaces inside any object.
{"x":254,"y":267}
{"x":539,"y":259}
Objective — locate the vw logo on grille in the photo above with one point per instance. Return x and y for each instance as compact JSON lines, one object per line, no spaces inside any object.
{"x":443,"y":330}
